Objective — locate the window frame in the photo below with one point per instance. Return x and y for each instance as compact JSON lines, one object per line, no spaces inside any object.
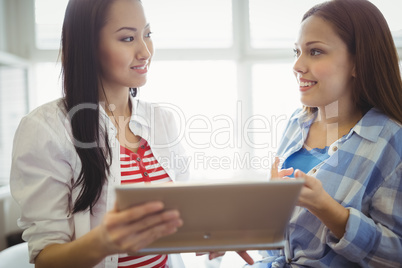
{"x":241,"y":51}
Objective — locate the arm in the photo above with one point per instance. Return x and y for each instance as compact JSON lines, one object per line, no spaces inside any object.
{"x":120,"y":232}
{"x":374,"y":239}
{"x":322,"y":205}
{"x":316,"y":200}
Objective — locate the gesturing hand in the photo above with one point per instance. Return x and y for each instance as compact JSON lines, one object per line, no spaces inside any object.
{"x":312,"y":195}
{"x":276,"y":174}
{"x":130,"y":230}
{"x":322,"y":205}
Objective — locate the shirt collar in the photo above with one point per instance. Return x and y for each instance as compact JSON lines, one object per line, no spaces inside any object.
{"x":369,"y":127}
{"x":138,"y":112}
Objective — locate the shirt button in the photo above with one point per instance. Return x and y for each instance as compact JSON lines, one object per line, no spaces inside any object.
{"x":335,"y":148}
{"x":146,"y":174}
{"x":143,"y":146}
{"x":314,"y":170}
{"x":138,"y":159}
{"x":289,"y":260}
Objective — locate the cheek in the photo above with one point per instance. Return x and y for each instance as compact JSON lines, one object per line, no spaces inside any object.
{"x":324,"y":70}
{"x":106,"y":60}
{"x":112,"y":58}
{"x":115,"y":61}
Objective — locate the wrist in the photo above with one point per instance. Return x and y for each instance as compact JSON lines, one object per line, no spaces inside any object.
{"x":333,"y":215}
{"x":320,"y":204}
{"x":99,"y":244}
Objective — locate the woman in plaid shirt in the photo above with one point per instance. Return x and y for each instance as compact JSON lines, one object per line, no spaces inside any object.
{"x":346,"y":143}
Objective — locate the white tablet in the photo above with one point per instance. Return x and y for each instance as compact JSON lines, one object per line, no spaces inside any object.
{"x":224,"y":216}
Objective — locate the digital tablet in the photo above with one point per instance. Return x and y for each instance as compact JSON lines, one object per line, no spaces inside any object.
{"x":224,"y":216}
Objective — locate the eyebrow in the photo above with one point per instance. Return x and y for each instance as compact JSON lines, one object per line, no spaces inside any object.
{"x":312,"y":42}
{"x":131,"y":28}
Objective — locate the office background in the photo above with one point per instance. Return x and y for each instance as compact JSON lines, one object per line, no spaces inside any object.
{"x":224,"y":66}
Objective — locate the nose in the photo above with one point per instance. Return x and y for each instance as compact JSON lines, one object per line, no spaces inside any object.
{"x":145,"y":50}
{"x":300,"y":66}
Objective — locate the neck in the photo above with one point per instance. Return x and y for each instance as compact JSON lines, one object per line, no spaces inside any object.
{"x":116,"y":102}
{"x":338,"y":115}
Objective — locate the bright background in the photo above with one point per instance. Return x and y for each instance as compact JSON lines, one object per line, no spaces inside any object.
{"x":225,"y":65}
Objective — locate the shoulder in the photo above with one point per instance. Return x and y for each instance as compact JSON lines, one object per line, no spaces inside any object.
{"x":377,"y":143}
{"x":391,"y":135}
{"x":46,"y":123}
{"x":48,"y":113}
{"x":375,"y":117}
{"x":380,"y":129}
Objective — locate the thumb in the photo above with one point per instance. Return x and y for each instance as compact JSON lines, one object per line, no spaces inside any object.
{"x":308,"y":180}
{"x":303,"y":176}
{"x":300,"y":174}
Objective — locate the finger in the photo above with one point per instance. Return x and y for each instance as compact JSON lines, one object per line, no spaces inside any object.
{"x":119,"y":233}
{"x":308,"y":180}
{"x":155,"y":219}
{"x":285,"y":172}
{"x":274,"y":168}
{"x":246,"y":257}
{"x":214,"y":255}
{"x":299,"y":174}
{"x":140,"y":240}
{"x":146,"y":223}
{"x":137,"y":212}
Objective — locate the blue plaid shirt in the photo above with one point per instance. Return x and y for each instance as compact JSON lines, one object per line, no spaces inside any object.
{"x":364,"y":174}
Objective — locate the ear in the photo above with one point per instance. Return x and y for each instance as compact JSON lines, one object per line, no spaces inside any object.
{"x":354,"y":71}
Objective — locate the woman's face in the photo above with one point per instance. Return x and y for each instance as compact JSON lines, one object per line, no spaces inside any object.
{"x":323,"y":66}
{"x":125,"y":48}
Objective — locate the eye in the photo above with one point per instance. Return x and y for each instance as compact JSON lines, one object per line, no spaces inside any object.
{"x":128,"y":39}
{"x":315,"y":52}
{"x":148,"y":35}
{"x":296,"y":52}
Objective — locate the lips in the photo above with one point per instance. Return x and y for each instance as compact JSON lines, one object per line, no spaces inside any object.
{"x":142,"y":69}
{"x":305,"y":84}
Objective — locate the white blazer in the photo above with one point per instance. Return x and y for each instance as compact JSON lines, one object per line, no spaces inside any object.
{"x":45,"y":167}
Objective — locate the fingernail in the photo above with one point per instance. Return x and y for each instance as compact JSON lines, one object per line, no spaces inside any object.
{"x":179,"y":223}
{"x":172,"y":214}
{"x":173,"y":230}
{"x":159,"y":205}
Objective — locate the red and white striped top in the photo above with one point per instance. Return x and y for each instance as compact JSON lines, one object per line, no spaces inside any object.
{"x":141,"y":167}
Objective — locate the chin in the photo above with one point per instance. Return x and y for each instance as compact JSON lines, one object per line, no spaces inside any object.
{"x":138,"y":84}
{"x":310,"y":102}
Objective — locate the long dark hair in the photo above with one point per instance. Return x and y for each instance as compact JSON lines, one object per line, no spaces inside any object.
{"x":80,"y":38}
{"x":365,"y":31}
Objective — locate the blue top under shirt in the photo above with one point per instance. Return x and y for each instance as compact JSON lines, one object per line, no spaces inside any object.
{"x":306,"y":160}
